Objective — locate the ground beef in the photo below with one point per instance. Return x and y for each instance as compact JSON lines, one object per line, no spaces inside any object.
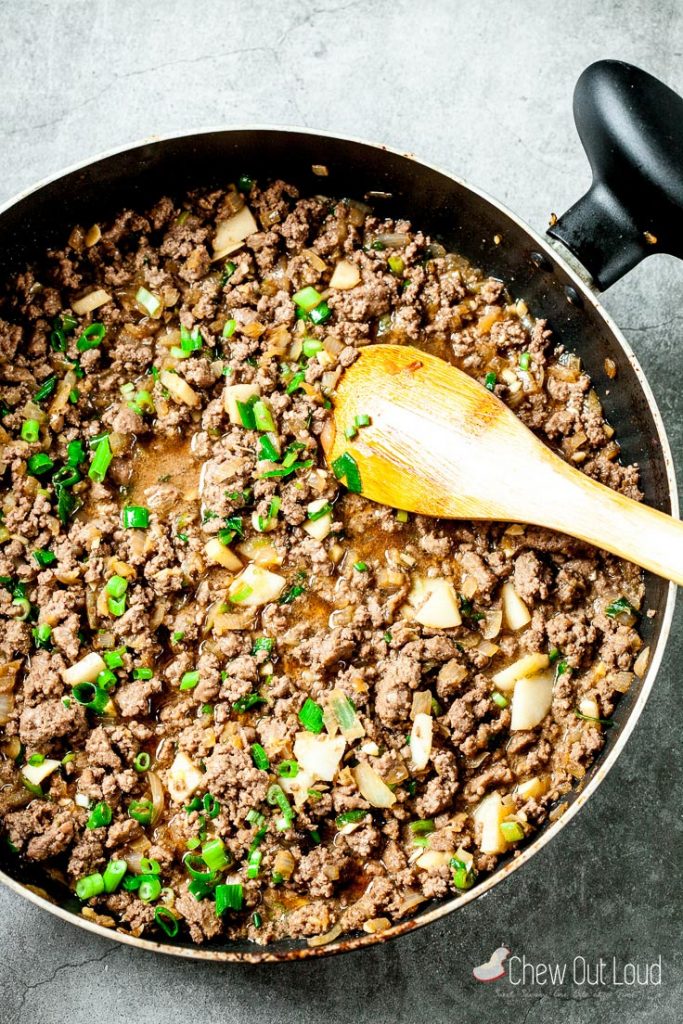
{"x":213,"y":400}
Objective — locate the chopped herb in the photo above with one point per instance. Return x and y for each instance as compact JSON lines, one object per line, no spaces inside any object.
{"x":229,"y":328}
{"x":396,"y":265}
{"x":262,"y":643}
{"x":30,"y":431}
{"x":41,"y":636}
{"x":135,"y":517}
{"x":251,"y":700}
{"x":150,"y":303}
{"x":307,"y":299}
{"x":44,"y":558}
{"x":101,"y":460}
{"x":245,"y":183}
{"x":259,"y":757}
{"x":346,"y":466}
{"x":321,"y":314}
{"x":46,"y":388}
{"x":167,"y":921}
{"x":351,"y":817}
{"x":228,"y":897}
{"x":311,"y":716}
{"x":142,"y":762}
{"x":524,"y":361}
{"x":622,"y":606}
{"x":490,"y":380}
{"x":227,"y":272}
{"x":92,"y":337}
{"x":311,"y":346}
{"x":296,"y":382}
{"x":361,"y":566}
{"x":140,"y":811}
{"x":100,"y":816}
{"x":288,"y":769}
{"x":512,"y":831}
{"x":387,"y":637}
{"x":499,"y":699}
{"x":553,"y":654}
{"x":463,"y":874}
{"x":39,"y":464}
{"x":263,"y":418}
{"x":189,"y":680}
{"x":290,"y":595}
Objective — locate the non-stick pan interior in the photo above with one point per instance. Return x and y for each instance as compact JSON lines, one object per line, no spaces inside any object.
{"x":452,"y":213}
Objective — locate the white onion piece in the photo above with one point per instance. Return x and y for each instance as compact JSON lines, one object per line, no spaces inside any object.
{"x":219,"y":554}
{"x":371,"y":786}
{"x":319,"y":755}
{"x":283,"y":864}
{"x":182,"y":778}
{"x":531,"y":700}
{"x":421,"y":740}
{"x":346,"y":275}
{"x":527,"y":665}
{"x":488,"y":815}
{"x":515,"y":612}
{"x":90,"y":302}
{"x":436,"y":603}
{"x":84,"y":671}
{"x":322,"y":940}
{"x":422,"y":704}
{"x":37,"y":773}
{"x":432,"y":859}
{"x":533,"y":788}
{"x":231,"y":233}
{"x":350,"y":725}
{"x":158,"y":799}
{"x":6,"y":707}
{"x":255,"y":587}
{"x":641,"y":662}
{"x":299,"y":786}
{"x":179,"y":389}
{"x":491,"y":623}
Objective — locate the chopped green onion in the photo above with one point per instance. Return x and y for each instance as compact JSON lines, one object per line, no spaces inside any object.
{"x":350,"y":433}
{"x":214,"y":855}
{"x":360,"y":566}
{"x":256,"y":919}
{"x":553,"y":654}
{"x":311,"y":716}
{"x":141,"y":811}
{"x":211,"y":805}
{"x":189,"y":680}
{"x":143,"y":672}
{"x":89,"y":886}
{"x":267,"y":449}
{"x":227,"y":272}
{"x":351,"y":817}
{"x":149,"y":302}
{"x":229,"y":328}
{"x":259,"y":757}
{"x":135,"y":517}
{"x":251,"y":700}
{"x":167,"y":921}
{"x":35,"y":759}
{"x":276,"y":798}
{"x":346,"y":466}
{"x":589,"y":718}
{"x":307,"y":298}
{"x":422,"y":827}
{"x":113,"y":875}
{"x":622,"y":606}
{"x":296,"y":382}
{"x":149,"y":888}
{"x":41,"y":635}
{"x":311,"y":346}
{"x":39,"y":464}
{"x":242,"y":593}
{"x":228,"y":897}
{"x":106,"y":680}
{"x":44,"y":558}
{"x":490,"y":380}
{"x":254,"y":862}
{"x":25,"y":605}
{"x":463,"y":876}
{"x":288,"y":769}
{"x":396,"y":264}
{"x":91,"y":337}
{"x":246,"y":413}
{"x":512,"y":831}
{"x":100,"y":816}
{"x":75,"y":453}
{"x":196,"y":867}
{"x":114,"y":659}
{"x":262,"y":643}
{"x":191,"y":341}
{"x":46,"y":388}
{"x":401,"y":516}
{"x":363,"y":420}
{"x":58,"y":340}
{"x":101,"y":460}
{"x":322,"y":511}
{"x":90,"y":696}
{"x":116,"y":586}
{"x":321,"y":314}
{"x":30,"y":431}
{"x":524,"y":361}
{"x":263,"y":418}
{"x":142,"y":762}
{"x":245,"y":183}
{"x":499,"y":699}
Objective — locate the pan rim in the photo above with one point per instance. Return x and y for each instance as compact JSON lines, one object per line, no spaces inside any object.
{"x":261,"y":954}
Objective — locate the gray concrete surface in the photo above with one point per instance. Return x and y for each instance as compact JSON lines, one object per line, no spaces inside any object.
{"x":484,"y":89}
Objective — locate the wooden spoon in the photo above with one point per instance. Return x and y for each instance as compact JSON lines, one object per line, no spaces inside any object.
{"x":441,"y":444}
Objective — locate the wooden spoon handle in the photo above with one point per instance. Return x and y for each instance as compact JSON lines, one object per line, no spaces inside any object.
{"x":583,"y":508}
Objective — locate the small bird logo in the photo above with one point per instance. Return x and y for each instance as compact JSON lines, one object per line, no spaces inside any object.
{"x":493,"y":968}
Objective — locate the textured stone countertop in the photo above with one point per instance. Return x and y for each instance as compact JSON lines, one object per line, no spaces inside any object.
{"x":483,"y":89}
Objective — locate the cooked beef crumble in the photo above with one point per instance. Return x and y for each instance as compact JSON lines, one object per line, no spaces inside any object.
{"x":238,"y":700}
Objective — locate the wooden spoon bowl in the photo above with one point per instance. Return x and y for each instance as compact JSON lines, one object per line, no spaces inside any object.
{"x":441,"y":444}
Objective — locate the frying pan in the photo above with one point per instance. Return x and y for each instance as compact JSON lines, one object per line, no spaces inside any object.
{"x":631,"y":126}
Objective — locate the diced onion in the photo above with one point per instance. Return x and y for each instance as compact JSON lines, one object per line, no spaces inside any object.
{"x":533,"y":788}
{"x":421,"y":740}
{"x":491,"y":623}
{"x":641,"y":662}
{"x":179,"y":389}
{"x":346,"y":275}
{"x":436,"y":604}
{"x":488,"y":815}
{"x":90,"y":302}
{"x":371,"y":786}
{"x":219,"y":554}
{"x":84,"y":671}
{"x":330,"y":936}
{"x":158,"y":799}
{"x":256,"y":586}
{"x":527,"y":665}
{"x":231,"y":233}
{"x":37,"y":773}
{"x":283,"y":864}
{"x":422,"y":704}
{"x":182,"y":778}
{"x":515,"y":611}
{"x":350,"y":725}
{"x":318,"y":754}
{"x":531,"y":700}
{"x":432,"y":859}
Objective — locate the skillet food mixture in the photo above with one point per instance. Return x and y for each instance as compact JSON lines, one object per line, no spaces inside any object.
{"x":237,"y":700}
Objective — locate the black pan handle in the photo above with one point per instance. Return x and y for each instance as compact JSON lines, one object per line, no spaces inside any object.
{"x":631,"y":127}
